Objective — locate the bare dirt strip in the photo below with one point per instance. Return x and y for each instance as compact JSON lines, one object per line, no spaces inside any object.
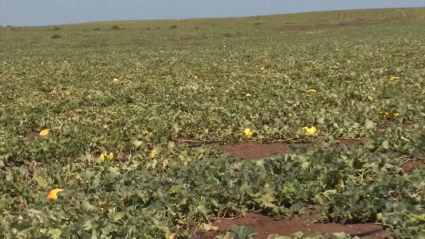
{"x":266,"y":225}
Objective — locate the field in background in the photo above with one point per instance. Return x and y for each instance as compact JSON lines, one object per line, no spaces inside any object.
{"x":259,"y":125}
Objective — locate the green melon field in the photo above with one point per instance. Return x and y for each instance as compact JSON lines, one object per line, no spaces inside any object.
{"x":304,"y":125}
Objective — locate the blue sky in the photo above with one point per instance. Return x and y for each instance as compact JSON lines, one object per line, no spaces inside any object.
{"x":55,"y":12}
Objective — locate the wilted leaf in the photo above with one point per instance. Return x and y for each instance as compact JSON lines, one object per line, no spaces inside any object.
{"x":209,"y":227}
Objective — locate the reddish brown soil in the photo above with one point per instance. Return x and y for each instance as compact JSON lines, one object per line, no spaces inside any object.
{"x":409,"y":167}
{"x":266,"y":226}
{"x":32,"y":135}
{"x":253,"y":150}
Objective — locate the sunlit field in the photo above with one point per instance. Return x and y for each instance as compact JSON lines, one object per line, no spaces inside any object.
{"x":258,"y":127}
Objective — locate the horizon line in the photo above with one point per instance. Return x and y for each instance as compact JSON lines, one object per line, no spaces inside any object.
{"x":208,"y":18}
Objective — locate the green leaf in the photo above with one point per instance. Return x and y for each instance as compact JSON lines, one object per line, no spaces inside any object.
{"x":386,"y":144}
{"x":319,"y":200}
{"x":113,"y":173}
{"x":87,"y":225}
{"x":115,"y":216}
{"x":209,"y":227}
{"x":55,"y":233}
{"x":87,"y":207}
{"x":41,"y":182}
{"x":277,"y":236}
{"x":369,"y":124}
{"x":244,"y":232}
{"x":340,"y":235}
{"x":305,"y":165}
{"x":171,"y":145}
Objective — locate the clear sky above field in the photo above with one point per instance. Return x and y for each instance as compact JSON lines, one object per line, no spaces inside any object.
{"x":55,"y":12}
